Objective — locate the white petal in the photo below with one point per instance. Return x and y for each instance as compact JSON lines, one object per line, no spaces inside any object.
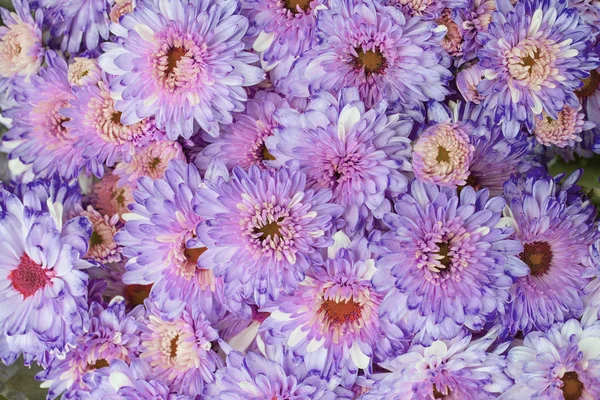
{"x":340,"y":241}
{"x":348,"y":117}
{"x":118,"y":380}
{"x":145,"y":32}
{"x":360,"y":359}
{"x":243,"y":340}
{"x":263,"y":41}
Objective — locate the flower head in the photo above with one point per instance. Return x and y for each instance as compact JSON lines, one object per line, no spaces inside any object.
{"x":102,"y":246}
{"x":84,"y":71}
{"x":185,"y":63}
{"x":109,"y":198}
{"x":562,"y":132}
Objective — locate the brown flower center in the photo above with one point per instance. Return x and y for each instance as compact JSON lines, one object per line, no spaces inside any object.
{"x":590,"y":85}
{"x":264,"y":152}
{"x":116,"y":117}
{"x":443,"y":155}
{"x":271,"y":229}
{"x":173,"y":57}
{"x":439,"y":395}
{"x":136,"y":294}
{"x":100,"y":363}
{"x":340,"y":312}
{"x":192,"y":255}
{"x":537,"y":256}
{"x":95,"y":239}
{"x":572,"y":387}
{"x":28,"y":277}
{"x":173,"y":347}
{"x":372,"y":61}
{"x":292,"y":4}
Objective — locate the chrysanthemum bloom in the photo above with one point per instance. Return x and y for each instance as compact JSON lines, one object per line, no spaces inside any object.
{"x":39,"y":135}
{"x":99,"y":130}
{"x":473,"y":19}
{"x":43,"y":287}
{"x":84,"y":71}
{"x":359,"y":154}
{"x":120,"y":8}
{"x":74,"y":23}
{"x":426,"y":9}
{"x":555,"y":235}
{"x":159,"y":240}
{"x":534,"y":59}
{"x":450,"y":265}
{"x":467,"y":81}
{"x":182,"y":61}
{"x":255,"y":377}
{"x":332,"y":319}
{"x":109,"y":198}
{"x":376,"y":50}
{"x":112,"y":335}
{"x":443,"y":154}
{"x":242,"y":143}
{"x":102,"y":244}
{"x":260,"y":229}
{"x":21,"y":48}
{"x":589,"y":12}
{"x":559,"y":364}
{"x":564,"y":131}
{"x":150,"y":161}
{"x":452,"y":42}
{"x":461,"y":368}
{"x":179,"y":350}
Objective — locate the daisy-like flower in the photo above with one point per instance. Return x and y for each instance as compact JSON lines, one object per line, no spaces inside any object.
{"x":150,"y":161}
{"x":39,"y":135}
{"x":255,"y":377}
{"x":426,"y":9}
{"x":109,"y":198}
{"x":378,"y":50}
{"x":450,"y":264}
{"x":534,"y":57}
{"x":182,"y":61}
{"x":112,"y":335}
{"x":243,"y":143}
{"x":555,"y":234}
{"x":43,"y":287}
{"x":467,"y":81}
{"x":559,"y":364}
{"x":260,"y":229}
{"x":460,"y":368}
{"x":443,"y":154}
{"x":452,"y":42}
{"x":332,"y":319}
{"x":21,"y":48}
{"x":159,"y":240}
{"x":99,"y":130}
{"x":564,"y":131}
{"x":474,"y":18}
{"x":341,"y":145}
{"x":103,"y":247}
{"x":179,"y":349}
{"x":84,"y":71}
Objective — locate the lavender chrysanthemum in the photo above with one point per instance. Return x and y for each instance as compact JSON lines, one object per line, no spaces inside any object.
{"x":260,"y":230}
{"x":450,"y":264}
{"x":555,"y":234}
{"x":359,"y":154}
{"x":182,"y":61}
{"x":159,"y":239}
{"x":111,"y":335}
{"x":460,"y":368}
{"x":375,"y":49}
{"x":43,"y":288}
{"x":534,"y":57}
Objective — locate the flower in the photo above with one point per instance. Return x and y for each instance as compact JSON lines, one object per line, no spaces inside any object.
{"x":43,"y":287}
{"x":159,"y":240}
{"x":332,"y":318}
{"x":461,"y":368}
{"x":21,"y":48}
{"x":473,"y":18}
{"x":255,"y":377}
{"x":450,"y":265}
{"x":378,"y":50}
{"x":467,"y":81}
{"x":84,"y":71}
{"x":452,"y":42}
{"x":39,"y":135}
{"x":260,"y":229}
{"x":564,"y":131}
{"x":112,"y":335}
{"x":565,"y":360}
{"x":102,"y":246}
{"x":534,"y":58}
{"x":341,"y":145}
{"x":426,"y":9}
{"x":97,"y":125}
{"x":179,"y":350}
{"x":150,"y":161}
{"x":555,"y":234}
{"x":182,"y":61}
{"x":442,"y":154}
{"x":109,"y":198}
{"x":120,"y":8}
{"x":243,"y":143}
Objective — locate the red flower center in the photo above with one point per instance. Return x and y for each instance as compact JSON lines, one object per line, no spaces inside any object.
{"x":538,"y":256}
{"x":29,"y":277}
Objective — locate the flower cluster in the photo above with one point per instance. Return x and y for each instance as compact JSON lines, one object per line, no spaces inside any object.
{"x":301,"y":199}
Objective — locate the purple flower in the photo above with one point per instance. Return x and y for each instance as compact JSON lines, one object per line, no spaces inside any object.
{"x":450,"y":265}
{"x":39,"y":135}
{"x":260,"y":229}
{"x":375,"y":49}
{"x":459,"y":368}
{"x":112,"y":335}
{"x":44,"y":289}
{"x":473,"y":20}
{"x":555,"y":233}
{"x":159,"y":239}
{"x":341,"y":145}
{"x":179,"y":349}
{"x":332,"y":319}
{"x":535,"y":56}
{"x":182,"y":61}
{"x":426,"y":9}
